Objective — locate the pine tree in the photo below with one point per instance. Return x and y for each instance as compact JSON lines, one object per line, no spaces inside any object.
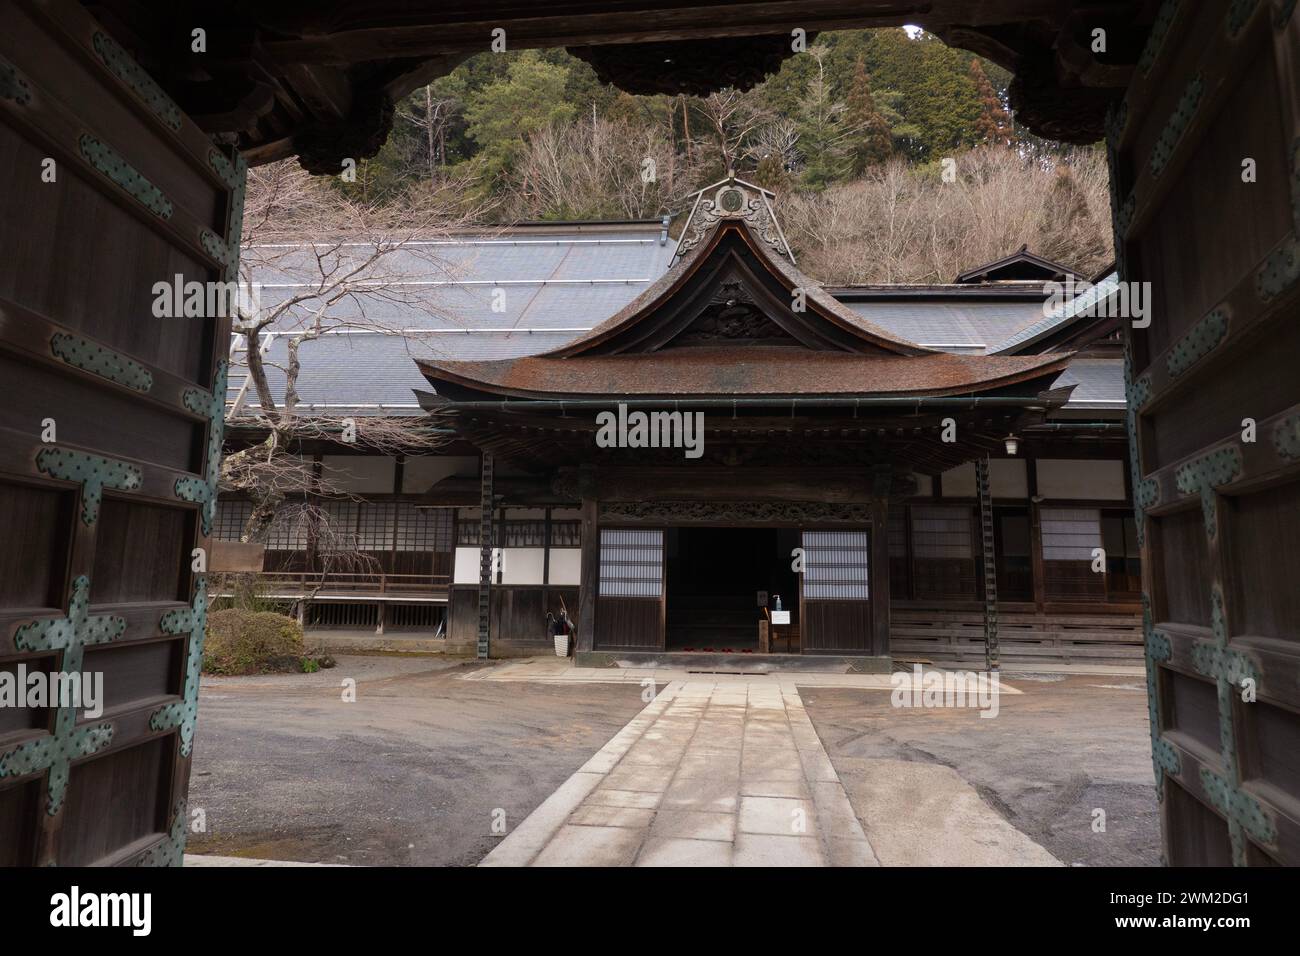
{"x":771,"y":174}
{"x":874,"y":141}
{"x":992,"y":126}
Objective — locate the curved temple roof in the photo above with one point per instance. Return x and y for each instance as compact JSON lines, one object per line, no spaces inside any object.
{"x":734,"y":317}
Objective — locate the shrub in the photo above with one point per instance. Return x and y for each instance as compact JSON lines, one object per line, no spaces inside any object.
{"x":252,"y":642}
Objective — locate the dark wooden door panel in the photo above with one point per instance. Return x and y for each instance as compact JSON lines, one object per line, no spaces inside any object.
{"x":835,"y":598}
{"x":110,"y":435}
{"x":1205,"y":169}
{"x":630,"y":596}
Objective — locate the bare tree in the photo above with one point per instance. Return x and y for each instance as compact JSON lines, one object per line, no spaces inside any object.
{"x":316,"y":262}
{"x":599,"y":168}
{"x":899,"y":223}
{"x":734,"y":118}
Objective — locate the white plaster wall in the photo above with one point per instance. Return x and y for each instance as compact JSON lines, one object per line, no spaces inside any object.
{"x":465,"y":570}
{"x":522,"y":565}
{"x":566,"y":566}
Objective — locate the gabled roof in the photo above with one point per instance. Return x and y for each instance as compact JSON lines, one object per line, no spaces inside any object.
{"x":734,"y":257}
{"x":734,"y":317}
{"x":724,"y":372}
{"x":1084,"y":307}
{"x":1020,"y":265}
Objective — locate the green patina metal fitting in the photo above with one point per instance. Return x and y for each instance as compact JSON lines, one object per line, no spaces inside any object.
{"x":1280,"y":270}
{"x":1231,"y":666}
{"x":1216,"y":659}
{"x":1140,"y":391}
{"x":183,"y":714}
{"x":1204,"y":475}
{"x":1163,"y":151}
{"x":94,"y":473}
{"x":209,"y":405}
{"x":1239,"y":806}
{"x":1202,"y":339}
{"x":1164,"y":757}
{"x":237,"y":180}
{"x":55,"y":753}
{"x":1147,"y":493}
{"x":1165,"y":17}
{"x":121,"y":65}
{"x":13,"y":85}
{"x":215,"y":246}
{"x":104,"y":158}
{"x":1239,"y":15}
{"x":103,"y":362}
{"x":224,"y":168}
{"x":71,"y":635}
{"x":1286,"y":437}
{"x":171,"y":851}
{"x":1158,"y":645}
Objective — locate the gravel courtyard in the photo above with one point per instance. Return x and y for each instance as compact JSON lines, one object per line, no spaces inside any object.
{"x":417,"y":769}
{"x":410,"y":774}
{"x":1056,"y":753}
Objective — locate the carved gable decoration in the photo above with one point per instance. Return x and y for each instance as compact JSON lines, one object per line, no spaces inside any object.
{"x":732,"y":316}
{"x":733,"y":198}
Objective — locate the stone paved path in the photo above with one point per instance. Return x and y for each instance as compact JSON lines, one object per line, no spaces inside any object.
{"x":708,"y":774}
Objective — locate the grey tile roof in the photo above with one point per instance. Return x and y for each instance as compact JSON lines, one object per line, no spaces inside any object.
{"x":952,"y":326}
{"x":1100,"y":383}
{"x":557,"y":285}
{"x":1062,"y":315}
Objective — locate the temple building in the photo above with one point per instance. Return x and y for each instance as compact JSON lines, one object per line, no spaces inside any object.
{"x":664,"y":438}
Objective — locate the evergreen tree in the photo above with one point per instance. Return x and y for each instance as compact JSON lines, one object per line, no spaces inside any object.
{"x":873,"y":141}
{"x":531,"y":96}
{"x":771,"y":174}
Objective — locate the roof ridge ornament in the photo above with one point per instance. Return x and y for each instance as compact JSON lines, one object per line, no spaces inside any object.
{"x":732,"y":198}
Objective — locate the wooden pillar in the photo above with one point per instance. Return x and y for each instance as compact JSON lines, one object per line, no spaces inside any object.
{"x":879,"y":583}
{"x":1036,"y":537}
{"x":991,"y":655}
{"x":590,"y":561}
{"x":485,"y":542}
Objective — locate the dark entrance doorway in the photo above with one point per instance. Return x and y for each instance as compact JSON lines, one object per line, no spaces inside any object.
{"x":714,"y":576}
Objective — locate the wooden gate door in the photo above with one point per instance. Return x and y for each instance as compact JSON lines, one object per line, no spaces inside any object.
{"x":834,"y":599}
{"x":110,"y":437}
{"x":630,"y":595}
{"x":1205,"y":154}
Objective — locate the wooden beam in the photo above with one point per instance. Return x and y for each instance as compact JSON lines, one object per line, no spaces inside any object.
{"x":589,"y":575}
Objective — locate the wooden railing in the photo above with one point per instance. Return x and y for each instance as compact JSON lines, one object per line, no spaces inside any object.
{"x":367,"y":583}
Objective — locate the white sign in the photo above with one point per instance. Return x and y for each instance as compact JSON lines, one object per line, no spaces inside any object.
{"x":780,"y":617}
